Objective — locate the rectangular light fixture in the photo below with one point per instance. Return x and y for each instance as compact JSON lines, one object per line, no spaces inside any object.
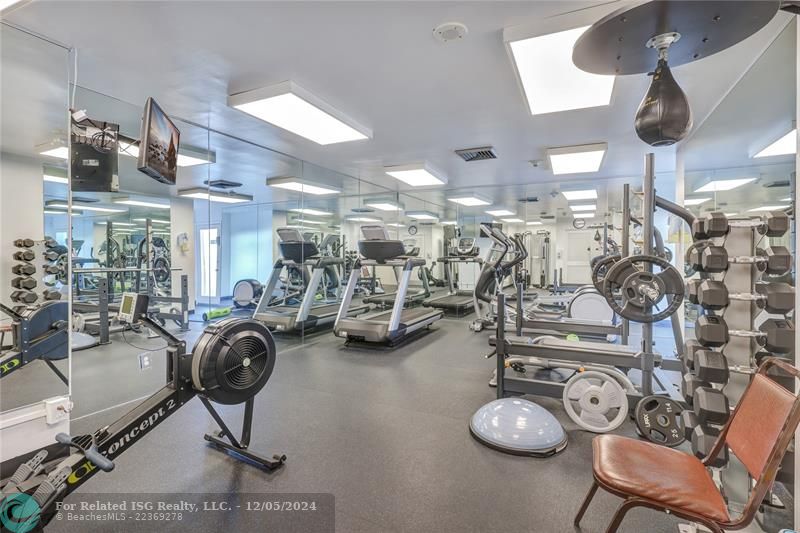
{"x":62,"y":204}
{"x":153,"y":220}
{"x":585,"y":194}
{"x":534,"y":223}
{"x":469,"y":200}
{"x":188,"y":156}
{"x":306,"y":221}
{"x":694,"y":201}
{"x":55,"y":212}
{"x":583,"y":207}
{"x":787,"y":199}
{"x":61,"y":152}
{"x":577,"y":159}
{"x":769,"y":208}
{"x":583,"y":215}
{"x":550,"y":80}
{"x":416,"y":174}
{"x":396,"y":225}
{"x":113,"y":223}
{"x":291,"y":183}
{"x":139,"y":203}
{"x":200,"y":193}
{"x":500,"y":213}
{"x":292,"y":108}
{"x":786,"y":145}
{"x":724,"y":185}
{"x":310,"y":211}
{"x":54,"y":174}
{"x":513,"y":220}
{"x":384,"y":204}
{"x":358,"y":218}
{"x":449,"y":223}
{"x":422,"y":215}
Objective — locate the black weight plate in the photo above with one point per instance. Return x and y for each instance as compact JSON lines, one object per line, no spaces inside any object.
{"x":657,"y":420}
{"x":600,"y":269}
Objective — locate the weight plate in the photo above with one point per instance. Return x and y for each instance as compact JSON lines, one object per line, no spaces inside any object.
{"x":595,"y":401}
{"x":657,"y":420}
{"x":635,"y":294}
{"x":600,"y":268}
{"x":161,"y":270}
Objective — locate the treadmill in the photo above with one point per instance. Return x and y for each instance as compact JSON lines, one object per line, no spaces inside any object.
{"x":457,"y":301}
{"x":296,"y":252}
{"x":418,"y":296}
{"x":386,"y":327}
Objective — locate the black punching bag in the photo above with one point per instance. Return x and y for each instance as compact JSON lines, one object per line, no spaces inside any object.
{"x":664,"y":116}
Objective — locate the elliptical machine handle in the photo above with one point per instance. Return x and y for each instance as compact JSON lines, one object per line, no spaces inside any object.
{"x":490,"y":232}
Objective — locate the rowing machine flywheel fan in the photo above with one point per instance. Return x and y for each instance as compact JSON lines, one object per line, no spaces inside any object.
{"x":233,"y":360}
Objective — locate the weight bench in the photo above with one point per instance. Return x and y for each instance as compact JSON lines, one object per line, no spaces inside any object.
{"x":665,"y":479}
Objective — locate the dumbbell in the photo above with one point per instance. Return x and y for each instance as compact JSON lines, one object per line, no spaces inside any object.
{"x":711,"y":258}
{"x":26,"y":297}
{"x":23,"y":243}
{"x":711,"y":366}
{"x":51,"y":269}
{"x":49,"y":242}
{"x":23,"y":283}
{"x":689,"y":386}
{"x":51,"y":294}
{"x":690,"y":348}
{"x":775,"y":224}
{"x":51,"y":255}
{"x":703,"y":440}
{"x":687,"y":421}
{"x":24,"y":255}
{"x":711,"y":406}
{"x":775,"y":297}
{"x":26,"y":269}
{"x":711,"y":226}
{"x":774,"y":334}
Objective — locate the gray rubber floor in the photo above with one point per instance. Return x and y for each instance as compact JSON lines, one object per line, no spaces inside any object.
{"x":386,"y":432}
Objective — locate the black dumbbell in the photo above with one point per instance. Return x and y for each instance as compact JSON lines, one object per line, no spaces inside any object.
{"x":775,"y":297}
{"x":710,"y":258}
{"x":26,"y":269}
{"x":691,"y":289}
{"x":23,"y":283}
{"x":51,"y":255}
{"x":26,"y":297}
{"x":711,"y":366}
{"x":711,"y":226}
{"x":51,"y":269}
{"x":51,"y":294}
{"x":23,"y":243}
{"x":689,"y":385}
{"x":24,"y":255}
{"x":687,"y":421}
{"x":711,"y":406}
{"x":703,"y":440}
{"x":774,"y":334}
{"x":690,"y":348}
{"x":776,"y":224}
{"x":19,"y":309}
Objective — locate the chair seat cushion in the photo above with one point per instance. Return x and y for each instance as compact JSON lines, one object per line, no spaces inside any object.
{"x":663,"y":475}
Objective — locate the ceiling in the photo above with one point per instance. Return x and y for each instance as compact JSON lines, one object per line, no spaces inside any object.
{"x":378,"y":63}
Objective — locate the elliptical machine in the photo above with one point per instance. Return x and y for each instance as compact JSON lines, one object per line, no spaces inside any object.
{"x":231,"y":362}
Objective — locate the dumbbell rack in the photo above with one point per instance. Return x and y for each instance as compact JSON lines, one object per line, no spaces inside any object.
{"x":741,"y":353}
{"x":29,"y":284}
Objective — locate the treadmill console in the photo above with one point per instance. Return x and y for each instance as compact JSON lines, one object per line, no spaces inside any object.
{"x":375,"y":233}
{"x":132,"y":306}
{"x":466,"y":247}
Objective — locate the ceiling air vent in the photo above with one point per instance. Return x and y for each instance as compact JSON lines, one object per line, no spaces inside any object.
{"x":781,"y":183}
{"x":477,"y":154}
{"x":222,"y":184}
{"x":549,"y":217}
{"x":529,"y":199}
{"x":362,"y":210}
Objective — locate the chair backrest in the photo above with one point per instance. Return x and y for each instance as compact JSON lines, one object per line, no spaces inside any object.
{"x":761,"y":428}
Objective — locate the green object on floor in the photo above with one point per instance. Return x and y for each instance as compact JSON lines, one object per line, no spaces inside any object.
{"x":572,"y":337}
{"x":219,"y":312}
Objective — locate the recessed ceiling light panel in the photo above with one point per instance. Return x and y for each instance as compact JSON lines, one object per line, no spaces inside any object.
{"x":469,"y":200}
{"x":786,"y":145}
{"x":583,"y":207}
{"x":577,"y":159}
{"x":500,"y":213}
{"x":583,"y":194}
{"x":291,"y":183}
{"x":724,"y":185}
{"x":292,"y":108}
{"x":417,"y":174}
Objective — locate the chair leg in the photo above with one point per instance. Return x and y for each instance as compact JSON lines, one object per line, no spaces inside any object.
{"x":620,"y":515}
{"x":585,"y":504}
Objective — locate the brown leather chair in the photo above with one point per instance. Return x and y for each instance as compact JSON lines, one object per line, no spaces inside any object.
{"x":664,"y":479}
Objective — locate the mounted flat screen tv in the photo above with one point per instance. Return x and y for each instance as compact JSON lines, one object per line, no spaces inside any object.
{"x":158,"y":145}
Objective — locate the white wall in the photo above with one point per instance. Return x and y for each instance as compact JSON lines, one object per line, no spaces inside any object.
{"x":182,"y":221}
{"x":21,"y":211}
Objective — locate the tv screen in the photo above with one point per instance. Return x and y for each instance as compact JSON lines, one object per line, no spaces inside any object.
{"x":158,"y":147}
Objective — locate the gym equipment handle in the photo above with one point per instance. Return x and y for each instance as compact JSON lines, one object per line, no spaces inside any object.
{"x":91,"y":453}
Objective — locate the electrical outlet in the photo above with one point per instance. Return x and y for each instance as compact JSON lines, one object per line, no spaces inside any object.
{"x":57,"y":410}
{"x":145,"y":360}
